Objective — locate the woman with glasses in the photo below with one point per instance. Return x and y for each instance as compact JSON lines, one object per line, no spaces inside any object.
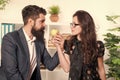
{"x":82,"y":54}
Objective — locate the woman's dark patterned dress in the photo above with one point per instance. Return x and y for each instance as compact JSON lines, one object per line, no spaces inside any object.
{"x":79,"y":70}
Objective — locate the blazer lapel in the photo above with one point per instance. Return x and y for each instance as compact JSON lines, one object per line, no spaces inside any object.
{"x":38,"y":52}
{"x":24,"y":43}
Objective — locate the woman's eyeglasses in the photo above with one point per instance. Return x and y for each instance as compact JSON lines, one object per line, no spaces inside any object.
{"x":74,"y":25}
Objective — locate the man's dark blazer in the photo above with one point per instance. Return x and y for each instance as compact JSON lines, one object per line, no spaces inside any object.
{"x":15,"y":57}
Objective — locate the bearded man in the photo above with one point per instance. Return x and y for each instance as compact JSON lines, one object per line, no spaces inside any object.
{"x":23,"y":50}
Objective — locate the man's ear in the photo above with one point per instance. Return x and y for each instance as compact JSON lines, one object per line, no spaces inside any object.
{"x":31,"y":21}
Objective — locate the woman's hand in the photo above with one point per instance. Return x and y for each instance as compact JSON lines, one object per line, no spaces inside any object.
{"x":58,"y":41}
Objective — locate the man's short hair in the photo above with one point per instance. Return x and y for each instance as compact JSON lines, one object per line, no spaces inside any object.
{"x":32,"y":11}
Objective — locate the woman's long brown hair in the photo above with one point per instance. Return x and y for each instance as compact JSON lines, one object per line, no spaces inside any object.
{"x":88,"y":35}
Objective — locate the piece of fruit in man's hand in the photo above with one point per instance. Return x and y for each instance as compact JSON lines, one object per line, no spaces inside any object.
{"x":54,"y":32}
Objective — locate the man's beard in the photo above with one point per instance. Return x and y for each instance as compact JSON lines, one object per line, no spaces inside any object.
{"x":39,"y":34}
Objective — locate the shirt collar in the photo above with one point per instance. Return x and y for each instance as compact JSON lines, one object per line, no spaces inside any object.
{"x":27,"y":37}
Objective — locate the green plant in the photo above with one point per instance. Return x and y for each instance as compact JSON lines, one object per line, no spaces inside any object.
{"x":54,"y":9}
{"x":3,"y":3}
{"x":112,"y":43}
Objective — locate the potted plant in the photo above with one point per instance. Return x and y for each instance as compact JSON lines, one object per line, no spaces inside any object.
{"x":54,"y":10}
{"x":112,"y":43}
{"x":3,"y":3}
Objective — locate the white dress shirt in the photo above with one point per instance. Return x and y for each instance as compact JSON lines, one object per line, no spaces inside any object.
{"x":32,"y":52}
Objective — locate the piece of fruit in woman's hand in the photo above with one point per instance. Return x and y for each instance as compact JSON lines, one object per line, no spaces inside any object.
{"x":54,"y":32}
